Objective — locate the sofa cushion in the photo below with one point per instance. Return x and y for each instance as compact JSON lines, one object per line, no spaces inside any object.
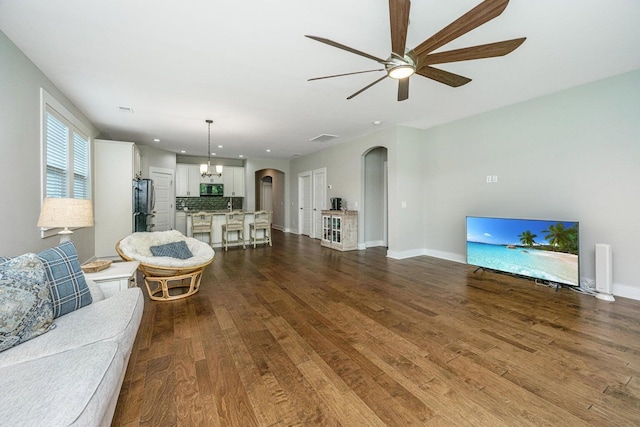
{"x":69,"y":388}
{"x":96,"y":291}
{"x":113,"y":319}
{"x":69,"y":290}
{"x":178,"y":250}
{"x":25,"y":303}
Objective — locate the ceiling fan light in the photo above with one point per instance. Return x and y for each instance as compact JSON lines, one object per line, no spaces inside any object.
{"x":401,"y":71}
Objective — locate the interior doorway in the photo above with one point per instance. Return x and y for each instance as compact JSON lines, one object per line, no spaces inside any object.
{"x":269,"y":195}
{"x":375,"y":197}
{"x":163,"y":212}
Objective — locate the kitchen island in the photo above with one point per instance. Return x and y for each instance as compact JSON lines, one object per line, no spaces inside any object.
{"x":216,"y":226}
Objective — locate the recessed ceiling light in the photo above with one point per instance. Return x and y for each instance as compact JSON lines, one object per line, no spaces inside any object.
{"x":268,"y":150}
{"x":376,"y":122}
{"x":156,"y":140}
{"x":213,"y":154}
{"x":241,"y":155}
{"x":182,"y":151}
{"x":219,"y":146}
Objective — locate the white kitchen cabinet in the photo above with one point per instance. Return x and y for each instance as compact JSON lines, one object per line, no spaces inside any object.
{"x":113,"y":205}
{"x":233,"y":180}
{"x":187,"y":180}
{"x":181,"y":222}
{"x":340,"y":230}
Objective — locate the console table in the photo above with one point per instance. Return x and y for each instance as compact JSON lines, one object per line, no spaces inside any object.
{"x":340,"y":230}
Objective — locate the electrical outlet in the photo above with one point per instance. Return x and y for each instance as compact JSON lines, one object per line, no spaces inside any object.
{"x":488,"y":179}
{"x":494,"y":178}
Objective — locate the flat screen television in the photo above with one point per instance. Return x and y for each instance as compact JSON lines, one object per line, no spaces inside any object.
{"x":539,"y":249}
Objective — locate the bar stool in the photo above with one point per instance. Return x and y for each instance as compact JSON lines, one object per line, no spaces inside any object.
{"x":201,"y":223}
{"x":262,"y":221}
{"x":233,"y":222}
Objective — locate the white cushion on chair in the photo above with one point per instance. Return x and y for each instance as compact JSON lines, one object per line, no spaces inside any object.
{"x":136,"y":246}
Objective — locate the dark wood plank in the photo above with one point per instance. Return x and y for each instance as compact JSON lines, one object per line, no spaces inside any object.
{"x":297,"y":334}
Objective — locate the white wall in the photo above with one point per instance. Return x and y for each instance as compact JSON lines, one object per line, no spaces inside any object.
{"x":20,"y":164}
{"x":345,"y":173}
{"x":573,"y":155}
{"x":157,"y":158}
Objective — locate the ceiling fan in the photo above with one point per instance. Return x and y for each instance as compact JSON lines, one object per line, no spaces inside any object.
{"x":401,"y":64}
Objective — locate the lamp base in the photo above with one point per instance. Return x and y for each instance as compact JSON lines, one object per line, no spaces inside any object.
{"x":65,"y":235}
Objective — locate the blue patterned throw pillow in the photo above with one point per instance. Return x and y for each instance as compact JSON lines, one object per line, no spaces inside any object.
{"x":69,"y":290}
{"x":178,"y":250}
{"x":25,"y":303}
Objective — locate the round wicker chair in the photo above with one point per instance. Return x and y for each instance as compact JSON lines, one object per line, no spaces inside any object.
{"x":162,"y":274}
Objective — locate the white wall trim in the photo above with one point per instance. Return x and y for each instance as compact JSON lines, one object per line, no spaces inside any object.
{"x":626,"y":291}
{"x":374,"y":244}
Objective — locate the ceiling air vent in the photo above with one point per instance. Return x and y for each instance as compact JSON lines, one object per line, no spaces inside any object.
{"x":323,"y":138}
{"x":124,"y":109}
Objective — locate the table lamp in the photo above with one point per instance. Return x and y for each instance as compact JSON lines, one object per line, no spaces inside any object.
{"x":65,"y":213}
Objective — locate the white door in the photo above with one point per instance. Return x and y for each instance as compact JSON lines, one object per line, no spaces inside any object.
{"x":304,"y":203}
{"x":164,"y":198}
{"x":319,"y":200}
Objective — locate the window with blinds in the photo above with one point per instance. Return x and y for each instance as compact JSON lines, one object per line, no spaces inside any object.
{"x":66,"y":154}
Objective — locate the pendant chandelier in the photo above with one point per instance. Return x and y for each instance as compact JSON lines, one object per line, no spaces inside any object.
{"x":205,"y":170}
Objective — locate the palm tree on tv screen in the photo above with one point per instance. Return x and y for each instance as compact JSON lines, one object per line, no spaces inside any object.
{"x":561,"y":238}
{"x":527,"y":238}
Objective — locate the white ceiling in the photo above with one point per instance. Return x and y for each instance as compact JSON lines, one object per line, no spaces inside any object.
{"x":245,"y":65}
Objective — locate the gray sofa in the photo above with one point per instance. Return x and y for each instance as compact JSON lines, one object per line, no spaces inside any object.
{"x":72,"y":374}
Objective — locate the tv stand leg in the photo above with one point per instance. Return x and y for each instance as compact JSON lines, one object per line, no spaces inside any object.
{"x":479,"y":268}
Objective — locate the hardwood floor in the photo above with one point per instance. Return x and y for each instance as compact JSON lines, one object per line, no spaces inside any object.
{"x":302,"y":335}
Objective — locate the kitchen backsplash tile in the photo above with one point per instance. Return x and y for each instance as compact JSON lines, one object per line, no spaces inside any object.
{"x":207,"y":203}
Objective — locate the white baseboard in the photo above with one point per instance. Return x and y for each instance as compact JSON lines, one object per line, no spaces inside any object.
{"x":626,"y":291}
{"x":374,"y":244}
{"x":405,"y":254}
{"x":449,"y":256}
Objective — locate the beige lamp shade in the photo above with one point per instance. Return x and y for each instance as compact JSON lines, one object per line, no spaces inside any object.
{"x":66,"y":213}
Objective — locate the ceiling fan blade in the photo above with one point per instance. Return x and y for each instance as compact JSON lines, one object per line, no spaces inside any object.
{"x":489,"y":50}
{"x":484,"y":12}
{"x":345,"y":74}
{"x":399,"y":16}
{"x":367,"y":87}
{"x":347,"y":48}
{"x":403,"y":89}
{"x":450,"y":79}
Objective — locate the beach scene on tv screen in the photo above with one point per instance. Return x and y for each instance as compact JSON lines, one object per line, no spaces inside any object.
{"x":546,"y":250}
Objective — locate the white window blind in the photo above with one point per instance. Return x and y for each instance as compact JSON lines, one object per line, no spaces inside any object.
{"x":57,"y":150}
{"x":80,"y":166}
{"x":66,"y":153}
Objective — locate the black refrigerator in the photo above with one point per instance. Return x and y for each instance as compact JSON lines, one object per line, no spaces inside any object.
{"x":143,"y":204}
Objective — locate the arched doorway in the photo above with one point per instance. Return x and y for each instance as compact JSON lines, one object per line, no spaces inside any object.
{"x":375,"y":197}
{"x":269,"y":194}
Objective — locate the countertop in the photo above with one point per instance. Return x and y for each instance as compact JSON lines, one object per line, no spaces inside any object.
{"x":219,"y":212}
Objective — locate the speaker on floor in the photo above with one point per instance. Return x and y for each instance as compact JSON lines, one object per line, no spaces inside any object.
{"x":604,"y":272}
